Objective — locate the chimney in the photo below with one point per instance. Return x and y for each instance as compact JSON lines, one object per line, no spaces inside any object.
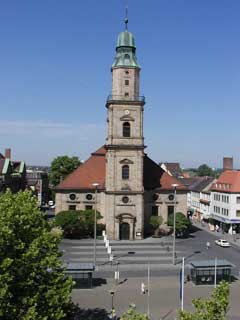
{"x":227,"y":163}
{"x":8,"y":153}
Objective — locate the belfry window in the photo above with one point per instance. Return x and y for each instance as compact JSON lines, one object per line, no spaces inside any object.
{"x":127,"y":58}
{"x":125,"y":172}
{"x":126,"y":129}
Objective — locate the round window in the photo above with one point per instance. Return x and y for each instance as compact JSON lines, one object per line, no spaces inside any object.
{"x":72,"y":196}
{"x":155,"y":197}
{"x":125,"y":199}
{"x":89,"y":196}
{"x":171,"y":197}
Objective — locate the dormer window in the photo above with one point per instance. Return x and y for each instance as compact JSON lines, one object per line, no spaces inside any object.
{"x":126,"y":129}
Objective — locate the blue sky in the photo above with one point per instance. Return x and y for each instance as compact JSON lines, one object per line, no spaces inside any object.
{"x":55,"y":77}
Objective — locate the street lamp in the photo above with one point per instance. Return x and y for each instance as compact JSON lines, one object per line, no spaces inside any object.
{"x":95,"y":222}
{"x":174,"y":222}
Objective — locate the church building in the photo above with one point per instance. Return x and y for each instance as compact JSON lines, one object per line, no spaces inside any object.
{"x":125,"y":184}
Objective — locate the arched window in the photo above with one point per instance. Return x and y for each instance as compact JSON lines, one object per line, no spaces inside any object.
{"x":125,"y":172}
{"x":126,"y":129}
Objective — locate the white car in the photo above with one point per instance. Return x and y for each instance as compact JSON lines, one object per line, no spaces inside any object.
{"x":222,"y":243}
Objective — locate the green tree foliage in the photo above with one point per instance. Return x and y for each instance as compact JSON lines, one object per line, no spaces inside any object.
{"x":132,"y":314}
{"x":61,"y":167}
{"x":182,"y":223}
{"x":155,"y":222}
{"x":214,"y":308}
{"x":32,"y":282}
{"x":204,"y":170}
{"x":78,"y":224}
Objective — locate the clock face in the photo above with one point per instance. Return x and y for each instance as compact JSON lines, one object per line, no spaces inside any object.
{"x":127,"y":112}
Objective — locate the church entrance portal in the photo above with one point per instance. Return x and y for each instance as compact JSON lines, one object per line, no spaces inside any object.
{"x":124,"y":231}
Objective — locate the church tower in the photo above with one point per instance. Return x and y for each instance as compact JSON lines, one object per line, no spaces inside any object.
{"x":124,"y":198}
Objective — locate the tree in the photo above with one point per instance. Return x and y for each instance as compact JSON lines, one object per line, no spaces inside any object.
{"x":214,"y":308}
{"x":61,"y":167}
{"x":155,"y":222}
{"x":78,"y":223}
{"x":32,"y":279}
{"x":182,"y":223}
{"x":132,"y":314}
{"x":204,"y":170}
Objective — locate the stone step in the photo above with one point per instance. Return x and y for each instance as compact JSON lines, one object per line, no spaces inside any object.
{"x":121,"y":254}
{"x":138,"y":267}
{"x":126,"y":259}
{"x":132,"y":247}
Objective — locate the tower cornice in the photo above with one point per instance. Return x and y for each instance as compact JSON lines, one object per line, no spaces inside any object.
{"x":122,"y":100}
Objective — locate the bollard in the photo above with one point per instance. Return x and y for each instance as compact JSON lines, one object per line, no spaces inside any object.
{"x":111,"y":258}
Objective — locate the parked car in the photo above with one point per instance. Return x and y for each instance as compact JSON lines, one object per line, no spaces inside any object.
{"x":222,"y":243}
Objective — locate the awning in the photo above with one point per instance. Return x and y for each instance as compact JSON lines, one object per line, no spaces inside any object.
{"x":225,"y":220}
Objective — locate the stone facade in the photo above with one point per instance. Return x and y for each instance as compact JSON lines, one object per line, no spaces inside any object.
{"x":131,"y":187}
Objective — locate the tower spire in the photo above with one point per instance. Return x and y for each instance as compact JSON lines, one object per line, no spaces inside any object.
{"x":126,"y":18}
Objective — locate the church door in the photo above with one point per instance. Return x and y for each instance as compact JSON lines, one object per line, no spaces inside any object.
{"x":124,"y":231}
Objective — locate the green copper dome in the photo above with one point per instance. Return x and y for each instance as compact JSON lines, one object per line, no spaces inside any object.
{"x":125,"y":51}
{"x":126,"y":39}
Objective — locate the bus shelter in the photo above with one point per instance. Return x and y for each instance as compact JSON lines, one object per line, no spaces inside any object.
{"x":203,"y":272}
{"x":80,"y":272}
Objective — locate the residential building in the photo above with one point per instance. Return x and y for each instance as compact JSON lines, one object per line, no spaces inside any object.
{"x":12,"y":173}
{"x":38,"y":182}
{"x":225,"y":201}
{"x":200,"y":195}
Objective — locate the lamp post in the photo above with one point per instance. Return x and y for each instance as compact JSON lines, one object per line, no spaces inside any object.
{"x":174,"y":222}
{"x":95,"y":222}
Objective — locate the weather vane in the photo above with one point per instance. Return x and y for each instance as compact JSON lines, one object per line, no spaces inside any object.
{"x":126,"y":19}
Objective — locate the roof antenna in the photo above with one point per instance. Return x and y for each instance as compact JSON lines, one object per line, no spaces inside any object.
{"x":126,"y":19}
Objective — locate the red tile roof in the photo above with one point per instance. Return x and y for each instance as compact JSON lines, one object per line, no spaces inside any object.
{"x":94,"y":170}
{"x":91,"y":171}
{"x":229,"y":181}
{"x":167,"y":182}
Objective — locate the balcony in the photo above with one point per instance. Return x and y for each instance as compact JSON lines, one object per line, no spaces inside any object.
{"x":122,"y":98}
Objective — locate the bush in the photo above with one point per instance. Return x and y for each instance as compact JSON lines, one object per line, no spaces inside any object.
{"x":182,"y":223}
{"x":132,"y":314}
{"x":78,"y":224}
{"x":213,"y":308}
{"x":155,"y":222}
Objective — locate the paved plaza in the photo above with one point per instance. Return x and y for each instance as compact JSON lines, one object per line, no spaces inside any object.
{"x":164,"y":296}
{"x":133,"y":258}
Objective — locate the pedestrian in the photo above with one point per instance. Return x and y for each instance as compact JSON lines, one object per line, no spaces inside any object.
{"x":208,"y":245}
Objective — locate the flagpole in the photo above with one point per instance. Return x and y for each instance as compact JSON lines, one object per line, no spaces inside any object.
{"x":215,"y":273}
{"x":182,"y":284}
{"x":148,"y":292}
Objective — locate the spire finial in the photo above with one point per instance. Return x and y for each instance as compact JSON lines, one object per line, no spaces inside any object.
{"x":126,"y":19}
